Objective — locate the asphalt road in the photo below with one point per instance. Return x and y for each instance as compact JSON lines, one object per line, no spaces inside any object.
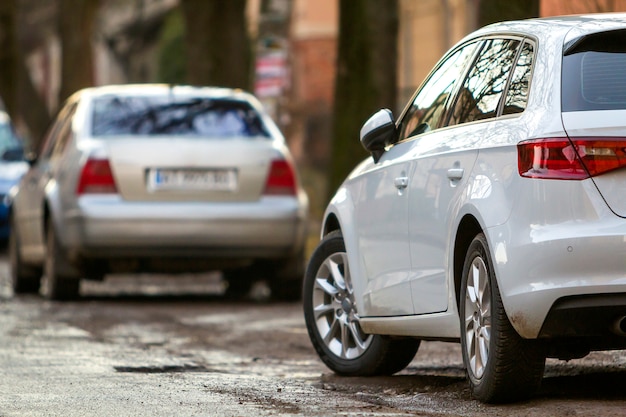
{"x":171,"y":346}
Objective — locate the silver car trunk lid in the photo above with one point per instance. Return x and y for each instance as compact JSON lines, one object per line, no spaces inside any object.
{"x":167,"y":168}
{"x":602,"y":124}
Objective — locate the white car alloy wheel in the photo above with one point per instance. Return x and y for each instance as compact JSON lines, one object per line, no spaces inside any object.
{"x":477,"y":317}
{"x":332,"y":319}
{"x":335,"y":314}
{"x":501,"y":366}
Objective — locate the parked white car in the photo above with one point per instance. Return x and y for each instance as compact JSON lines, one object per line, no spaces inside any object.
{"x":491,"y":213}
{"x":159,"y":178}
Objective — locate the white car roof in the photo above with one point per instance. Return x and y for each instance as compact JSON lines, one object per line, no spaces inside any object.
{"x":568,"y":27}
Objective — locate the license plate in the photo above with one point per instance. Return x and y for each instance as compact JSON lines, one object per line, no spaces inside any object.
{"x":193,"y":179}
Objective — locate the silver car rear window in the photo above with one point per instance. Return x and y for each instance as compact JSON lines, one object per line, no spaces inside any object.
{"x":201,"y":117}
{"x":594,"y":73}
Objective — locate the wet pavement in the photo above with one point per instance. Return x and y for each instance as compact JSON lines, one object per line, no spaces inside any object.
{"x":172,"y":346}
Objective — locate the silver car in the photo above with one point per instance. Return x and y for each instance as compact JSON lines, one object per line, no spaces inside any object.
{"x":158,"y":178}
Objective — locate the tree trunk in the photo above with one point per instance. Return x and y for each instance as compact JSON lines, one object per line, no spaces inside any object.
{"x":366,"y":76}
{"x":8,"y":56}
{"x":490,"y":11}
{"x":218,"y":46}
{"x":32,"y":109}
{"x":76,"y":22}
{"x":21,"y":100}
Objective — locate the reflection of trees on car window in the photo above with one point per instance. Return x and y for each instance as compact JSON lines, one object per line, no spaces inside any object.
{"x":159,"y":116}
{"x":227,"y":124}
{"x":429,"y":104}
{"x":482,"y":90}
{"x":517,"y":94}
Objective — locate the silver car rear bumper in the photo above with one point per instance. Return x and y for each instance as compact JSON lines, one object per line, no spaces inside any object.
{"x":106,"y":225}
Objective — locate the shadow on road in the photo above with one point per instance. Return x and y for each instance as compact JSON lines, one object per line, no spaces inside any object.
{"x":168,"y":288}
{"x":601,"y":382}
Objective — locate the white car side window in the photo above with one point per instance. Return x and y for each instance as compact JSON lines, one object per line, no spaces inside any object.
{"x":480,"y":95}
{"x":519,"y":86}
{"x":430,"y":102}
{"x":52,"y":136}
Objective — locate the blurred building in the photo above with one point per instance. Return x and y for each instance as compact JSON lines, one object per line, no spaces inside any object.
{"x":296,"y":52}
{"x":427,"y":29}
{"x":313,"y":40}
{"x":560,"y":7}
{"x":125,"y":42}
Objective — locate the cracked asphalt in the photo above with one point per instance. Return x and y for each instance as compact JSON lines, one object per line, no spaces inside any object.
{"x":152,"y":345}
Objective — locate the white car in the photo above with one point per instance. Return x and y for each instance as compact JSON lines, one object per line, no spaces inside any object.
{"x":491,"y":213}
{"x":159,"y":178}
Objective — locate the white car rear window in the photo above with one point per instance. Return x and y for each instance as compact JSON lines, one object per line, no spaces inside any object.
{"x":594,"y":71}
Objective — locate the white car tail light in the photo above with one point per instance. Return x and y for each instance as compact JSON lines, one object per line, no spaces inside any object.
{"x":96,"y":178}
{"x":565,"y":159}
{"x":281,"y":179}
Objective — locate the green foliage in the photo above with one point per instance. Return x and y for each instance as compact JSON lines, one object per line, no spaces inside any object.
{"x":172,"y":67}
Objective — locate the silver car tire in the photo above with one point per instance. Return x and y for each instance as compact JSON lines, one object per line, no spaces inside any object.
{"x":286,"y":290}
{"x":501,"y":366}
{"x":332,"y":319}
{"x":239,"y":282}
{"x":60,"y":280}
{"x":285,"y":278}
{"x":25,"y":279}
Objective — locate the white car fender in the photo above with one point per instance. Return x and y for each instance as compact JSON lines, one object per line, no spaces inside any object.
{"x":341,"y":206}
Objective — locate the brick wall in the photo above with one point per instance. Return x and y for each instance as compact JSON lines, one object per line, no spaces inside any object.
{"x":313,"y":77}
{"x":560,"y":7}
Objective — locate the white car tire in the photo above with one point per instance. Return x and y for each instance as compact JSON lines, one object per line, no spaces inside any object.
{"x":501,"y":366}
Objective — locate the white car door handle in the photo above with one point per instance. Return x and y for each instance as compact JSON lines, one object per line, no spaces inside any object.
{"x":455,"y":173}
{"x":401,"y":182}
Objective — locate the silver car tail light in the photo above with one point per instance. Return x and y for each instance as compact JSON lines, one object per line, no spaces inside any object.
{"x":96,"y":178}
{"x":575,"y":159}
{"x":281,"y":179}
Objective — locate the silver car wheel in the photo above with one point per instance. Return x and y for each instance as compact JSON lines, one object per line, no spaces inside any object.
{"x":334,"y":309}
{"x":24,"y":278}
{"x":61,"y":281}
{"x":478,"y":317}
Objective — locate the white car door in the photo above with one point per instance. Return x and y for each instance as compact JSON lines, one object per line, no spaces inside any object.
{"x":443,"y":162}
{"x":382,"y":207}
{"x":381,"y":215}
{"x":439,"y":175}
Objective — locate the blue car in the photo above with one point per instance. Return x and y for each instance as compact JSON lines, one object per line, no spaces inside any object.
{"x":12,"y":167}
